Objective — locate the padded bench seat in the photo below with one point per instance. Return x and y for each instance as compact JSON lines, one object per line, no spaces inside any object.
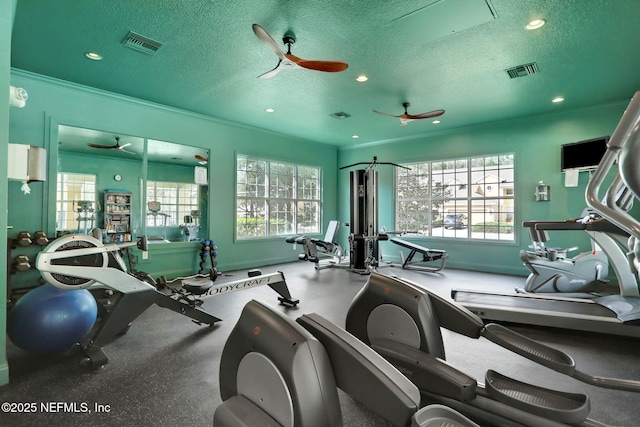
{"x":428,"y":255}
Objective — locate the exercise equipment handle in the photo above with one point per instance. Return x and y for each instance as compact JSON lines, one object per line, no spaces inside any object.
{"x":560,"y":225}
{"x":606,"y":382}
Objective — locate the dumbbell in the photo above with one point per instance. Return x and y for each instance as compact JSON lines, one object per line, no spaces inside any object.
{"x":40,"y":238}
{"x":23,"y":239}
{"x":21,"y":263}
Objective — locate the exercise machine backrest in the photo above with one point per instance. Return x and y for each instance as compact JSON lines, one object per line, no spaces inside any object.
{"x":392,"y":309}
{"x":332,"y":232}
{"x":272,"y":366}
{"x":382,"y":309}
{"x":363,"y":374}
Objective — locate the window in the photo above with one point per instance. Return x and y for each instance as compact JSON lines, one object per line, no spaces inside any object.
{"x":75,"y":202}
{"x":276,"y":198}
{"x":470,"y":198}
{"x":176,"y":200}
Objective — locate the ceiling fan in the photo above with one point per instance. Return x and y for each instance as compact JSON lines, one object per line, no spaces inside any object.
{"x":113,"y":147}
{"x":406,"y":117}
{"x":289,"y":61}
{"x":202,"y":160}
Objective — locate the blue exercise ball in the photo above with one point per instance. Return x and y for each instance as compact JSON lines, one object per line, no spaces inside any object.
{"x":48,"y":319}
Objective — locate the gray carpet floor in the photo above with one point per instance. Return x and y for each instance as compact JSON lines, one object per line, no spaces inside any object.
{"x":164,"y":370}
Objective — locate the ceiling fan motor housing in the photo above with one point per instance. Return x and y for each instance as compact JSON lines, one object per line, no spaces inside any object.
{"x":289,"y":38}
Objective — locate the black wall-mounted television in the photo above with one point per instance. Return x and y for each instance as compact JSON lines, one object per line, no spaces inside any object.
{"x":583,"y":155}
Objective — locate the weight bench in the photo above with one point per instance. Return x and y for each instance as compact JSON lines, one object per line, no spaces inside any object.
{"x":428,"y":255}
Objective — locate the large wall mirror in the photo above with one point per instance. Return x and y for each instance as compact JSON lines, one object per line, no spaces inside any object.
{"x":128,"y":186}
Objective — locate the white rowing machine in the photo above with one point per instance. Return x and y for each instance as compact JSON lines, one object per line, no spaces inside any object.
{"x":79,"y":261}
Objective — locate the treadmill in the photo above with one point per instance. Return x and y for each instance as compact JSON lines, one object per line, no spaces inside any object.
{"x":611,"y":314}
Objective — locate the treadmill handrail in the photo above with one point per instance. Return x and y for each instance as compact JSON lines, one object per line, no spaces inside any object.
{"x":560,"y":225}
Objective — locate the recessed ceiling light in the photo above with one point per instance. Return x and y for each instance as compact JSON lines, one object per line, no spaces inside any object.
{"x":94,"y":56}
{"x":355,"y":136}
{"x":435,"y":122}
{"x":535,"y":24}
{"x":557,"y":99}
{"x":269,"y":110}
{"x":362,"y":78}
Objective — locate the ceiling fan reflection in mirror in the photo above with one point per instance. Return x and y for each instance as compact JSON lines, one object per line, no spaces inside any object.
{"x":289,"y":61}
{"x":202,"y":160}
{"x":406,"y":117}
{"x":113,"y":147}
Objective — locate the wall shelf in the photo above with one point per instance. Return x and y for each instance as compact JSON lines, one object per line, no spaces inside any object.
{"x":117,"y":216}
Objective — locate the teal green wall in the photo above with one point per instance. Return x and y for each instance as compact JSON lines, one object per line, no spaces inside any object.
{"x":54,"y":102}
{"x":7,"y":11}
{"x":536,"y":143}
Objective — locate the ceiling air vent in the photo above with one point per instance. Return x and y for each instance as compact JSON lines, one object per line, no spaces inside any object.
{"x":141,"y":43}
{"x":340,"y":115}
{"x":522,"y":70}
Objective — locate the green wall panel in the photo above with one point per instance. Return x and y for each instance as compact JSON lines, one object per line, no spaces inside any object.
{"x":7,"y":11}
{"x":53,"y":102}
{"x":536,"y":143}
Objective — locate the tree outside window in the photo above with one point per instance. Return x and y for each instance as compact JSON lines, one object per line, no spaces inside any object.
{"x":459,"y":198}
{"x":276,"y":198}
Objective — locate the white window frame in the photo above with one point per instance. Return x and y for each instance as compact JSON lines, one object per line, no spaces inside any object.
{"x":71,"y":189}
{"x":481,"y":189}
{"x":177,"y":200}
{"x":274,"y":198}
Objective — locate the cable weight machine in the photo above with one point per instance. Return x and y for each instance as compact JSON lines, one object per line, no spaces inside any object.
{"x":364,"y":253}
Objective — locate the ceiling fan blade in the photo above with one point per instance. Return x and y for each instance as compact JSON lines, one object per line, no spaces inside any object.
{"x":406,"y":117}
{"x":268,"y":40}
{"x":385,"y":114}
{"x":201,"y":158}
{"x":271,"y":73}
{"x":326,"y":66}
{"x":125,"y":151}
{"x":124,"y":145}
{"x":430,"y":114}
{"x":106,"y":147}
{"x":283,"y":64}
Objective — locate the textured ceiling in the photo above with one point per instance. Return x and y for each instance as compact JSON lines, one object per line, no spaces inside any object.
{"x":446,"y":54}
